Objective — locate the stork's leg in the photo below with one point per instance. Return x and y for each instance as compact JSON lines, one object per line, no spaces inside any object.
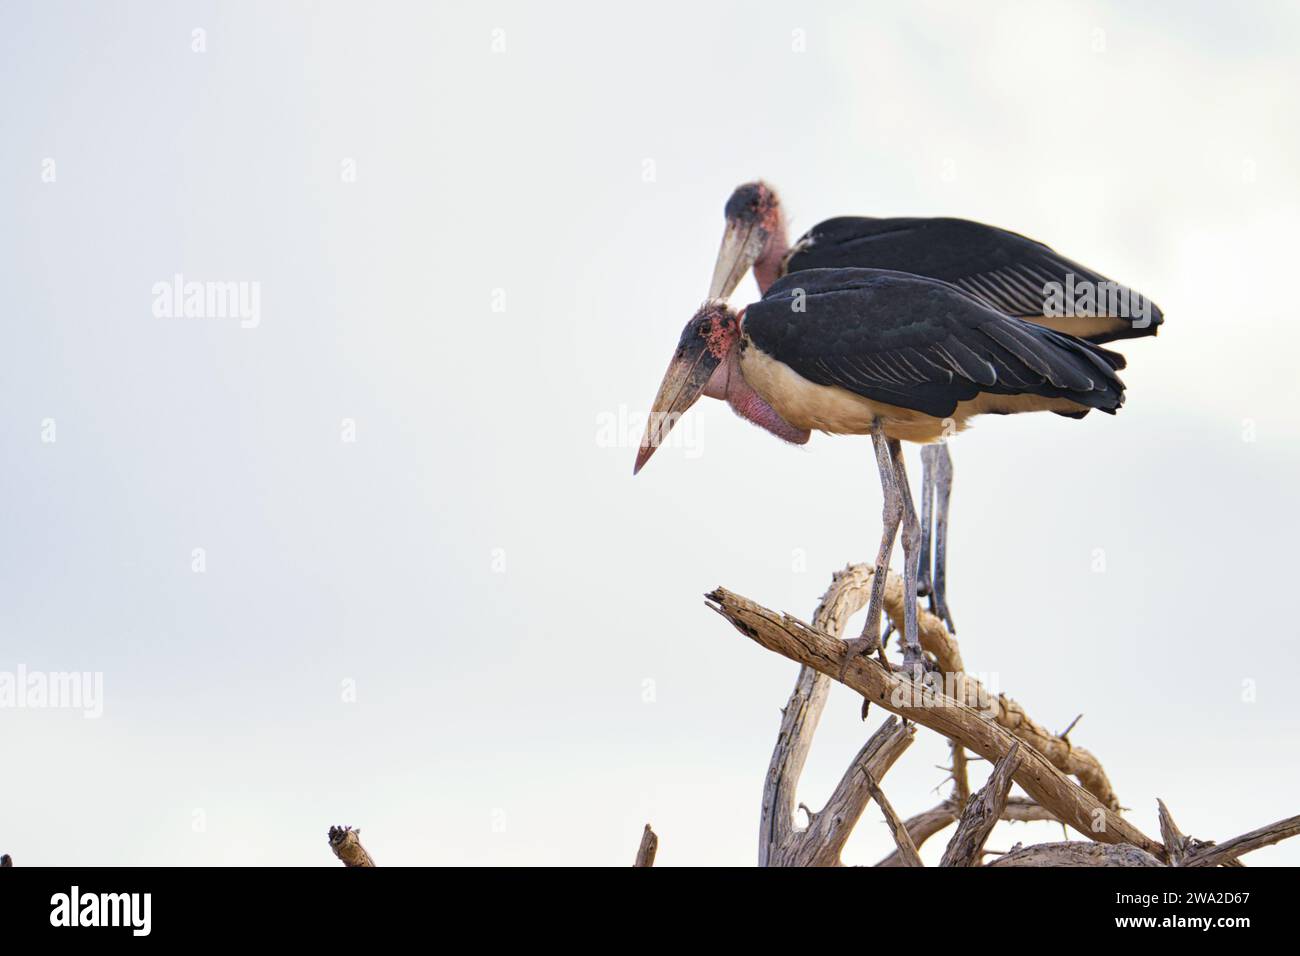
{"x":911,"y":538}
{"x":891,"y":514}
{"x":887,"y":633}
{"x":943,"y":491}
{"x":924,"y":582}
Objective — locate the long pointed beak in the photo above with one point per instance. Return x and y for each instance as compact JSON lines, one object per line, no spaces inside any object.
{"x":688,"y":373}
{"x":741,"y":247}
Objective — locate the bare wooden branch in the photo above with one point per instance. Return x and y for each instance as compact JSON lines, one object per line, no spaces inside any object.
{"x":1174,"y":840}
{"x":906,"y":848}
{"x":949,"y":716}
{"x":1220,"y":854}
{"x":780,"y":840}
{"x":1076,"y":853}
{"x":960,"y":778}
{"x":936,"y":640}
{"x":645,"y":853}
{"x":971,"y":718}
{"x":346,"y":844}
{"x":982,"y":811}
{"x":925,"y":825}
{"x":1021,"y":809}
{"x":822,"y":841}
{"x":847,"y":594}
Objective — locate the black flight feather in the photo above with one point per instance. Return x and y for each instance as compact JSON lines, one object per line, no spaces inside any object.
{"x":1003,"y":269}
{"x":920,"y":343}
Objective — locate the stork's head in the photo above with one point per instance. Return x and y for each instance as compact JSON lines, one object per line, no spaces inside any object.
{"x":754,"y":224}
{"x":700,"y":366}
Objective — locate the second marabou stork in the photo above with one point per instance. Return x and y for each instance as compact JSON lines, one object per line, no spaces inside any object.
{"x":898,"y":356}
{"x":1006,"y":271}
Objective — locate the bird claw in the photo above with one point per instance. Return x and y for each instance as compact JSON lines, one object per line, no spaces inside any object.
{"x":913,"y":670}
{"x":858,"y":647}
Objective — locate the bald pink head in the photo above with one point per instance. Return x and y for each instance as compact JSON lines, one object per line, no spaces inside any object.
{"x":755,"y":237}
{"x":707,"y":362}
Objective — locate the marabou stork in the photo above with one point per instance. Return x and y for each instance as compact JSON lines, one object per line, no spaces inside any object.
{"x":890,"y":354}
{"x":1006,"y":271}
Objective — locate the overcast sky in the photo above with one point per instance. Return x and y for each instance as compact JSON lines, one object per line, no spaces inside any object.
{"x":371,"y":552}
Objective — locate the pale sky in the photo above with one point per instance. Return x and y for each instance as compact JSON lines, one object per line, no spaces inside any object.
{"x":434,"y":603}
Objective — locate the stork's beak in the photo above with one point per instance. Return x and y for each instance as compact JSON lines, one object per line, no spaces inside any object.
{"x":688,"y":373}
{"x":742,"y":244}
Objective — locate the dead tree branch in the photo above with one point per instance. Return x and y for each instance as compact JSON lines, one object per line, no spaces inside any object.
{"x":936,"y":640}
{"x":645,"y":853}
{"x":1175,"y":841}
{"x":847,"y":594}
{"x":829,"y":829}
{"x":346,"y":844}
{"x":779,"y":836}
{"x":981,"y":813}
{"x":1076,"y":853}
{"x":925,"y":825}
{"x":906,"y":848}
{"x":953,"y":718}
{"x":1222,"y":854}
{"x":960,"y":778}
{"x":781,"y":841}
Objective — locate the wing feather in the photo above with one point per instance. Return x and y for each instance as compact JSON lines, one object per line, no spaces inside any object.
{"x":920,"y":343}
{"x":1006,"y":271}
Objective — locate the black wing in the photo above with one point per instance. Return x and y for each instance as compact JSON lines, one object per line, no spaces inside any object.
{"x":1003,"y":269}
{"x":921,"y":344}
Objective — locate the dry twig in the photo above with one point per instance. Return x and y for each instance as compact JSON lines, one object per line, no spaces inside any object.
{"x":906,"y":848}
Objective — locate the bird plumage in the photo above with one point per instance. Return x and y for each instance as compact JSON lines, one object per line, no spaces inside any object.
{"x":923,"y":345}
{"x":1005,"y":270}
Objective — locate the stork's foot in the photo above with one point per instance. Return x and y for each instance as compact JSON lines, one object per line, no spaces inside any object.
{"x":863,"y":646}
{"x":914,"y":665}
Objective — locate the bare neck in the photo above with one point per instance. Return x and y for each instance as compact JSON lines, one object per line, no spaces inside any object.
{"x":767,"y":267}
{"x":728,"y":383}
